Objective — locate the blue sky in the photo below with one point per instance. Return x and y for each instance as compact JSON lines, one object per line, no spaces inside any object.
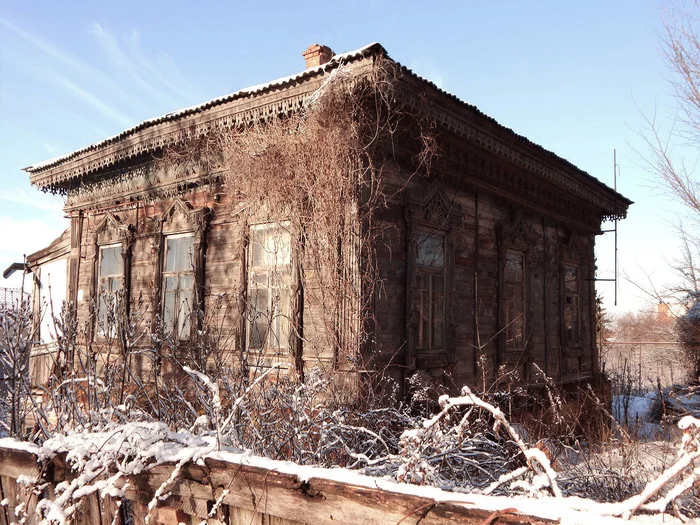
{"x":575,"y":77}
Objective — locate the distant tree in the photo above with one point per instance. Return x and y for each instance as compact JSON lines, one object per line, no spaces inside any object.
{"x":681,"y":52}
{"x":671,"y":157}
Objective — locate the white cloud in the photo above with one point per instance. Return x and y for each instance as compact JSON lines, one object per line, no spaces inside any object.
{"x":126,"y":64}
{"x":53,"y":150}
{"x":87,"y":73}
{"x":427,"y":69}
{"x":163,"y":70}
{"x":102,"y":107}
{"x":33,"y":198}
{"x":22,"y":237}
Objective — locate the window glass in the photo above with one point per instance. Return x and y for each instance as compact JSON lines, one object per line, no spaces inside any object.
{"x":429,"y":294}
{"x":109,"y":283}
{"x":268,"y":287}
{"x":179,"y":252}
{"x":572,"y":308}
{"x":178,"y":285}
{"x":430,"y":250}
{"x":514,"y":300}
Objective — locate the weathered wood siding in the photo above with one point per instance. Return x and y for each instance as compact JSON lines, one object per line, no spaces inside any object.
{"x":246,"y":494}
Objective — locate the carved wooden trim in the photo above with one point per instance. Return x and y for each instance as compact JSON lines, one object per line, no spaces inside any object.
{"x":109,"y":231}
{"x":574,"y":248}
{"x":433,"y":208}
{"x":182,"y":218}
{"x":425,"y":210}
{"x":516,"y":232}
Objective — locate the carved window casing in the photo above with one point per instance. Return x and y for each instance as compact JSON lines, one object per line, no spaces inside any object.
{"x":430,"y":326}
{"x":112,"y":265}
{"x":572,"y":306}
{"x":514,"y":300}
{"x":269,"y":270}
{"x":178,"y":285}
{"x":180,"y":279}
{"x":515,"y":241}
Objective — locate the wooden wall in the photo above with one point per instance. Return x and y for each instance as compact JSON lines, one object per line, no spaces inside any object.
{"x":480,"y":225}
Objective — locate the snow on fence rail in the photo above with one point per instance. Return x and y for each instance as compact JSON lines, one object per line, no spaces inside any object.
{"x":232,"y":488}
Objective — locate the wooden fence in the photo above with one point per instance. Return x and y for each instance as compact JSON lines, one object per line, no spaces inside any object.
{"x":249,"y":495}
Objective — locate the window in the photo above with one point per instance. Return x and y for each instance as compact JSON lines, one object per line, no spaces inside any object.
{"x":110,"y":278}
{"x":514,"y":300}
{"x":430,"y":290}
{"x":269,"y":266}
{"x":178,"y":285}
{"x":572,"y":312}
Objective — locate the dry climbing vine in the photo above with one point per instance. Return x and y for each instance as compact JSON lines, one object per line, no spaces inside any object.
{"x":322,"y":172}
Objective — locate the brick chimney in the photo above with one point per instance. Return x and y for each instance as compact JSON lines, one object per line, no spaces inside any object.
{"x":316,"y":55}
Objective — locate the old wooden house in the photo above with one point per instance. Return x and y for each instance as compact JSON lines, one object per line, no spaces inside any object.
{"x":484,"y":262}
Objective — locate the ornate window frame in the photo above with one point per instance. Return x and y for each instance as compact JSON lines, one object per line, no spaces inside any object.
{"x":428,"y":216}
{"x":111,"y":232}
{"x":179,"y":220}
{"x":277,"y":276}
{"x":514,"y":238}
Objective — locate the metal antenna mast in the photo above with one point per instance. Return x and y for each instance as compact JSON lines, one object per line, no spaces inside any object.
{"x":616,"y":169}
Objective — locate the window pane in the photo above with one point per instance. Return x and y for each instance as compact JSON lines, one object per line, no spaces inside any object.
{"x":115,"y":284}
{"x":109,"y":281}
{"x":438,"y":311}
{"x":269,"y":279}
{"x":571,"y":279}
{"x":270,"y":247}
{"x":514,"y":268}
{"x":171,"y":282}
{"x":430,"y":250}
{"x":280,"y":326}
{"x":184,"y":312}
{"x":101,"y":314}
{"x":259,"y":318}
{"x":187,"y":282}
{"x":180,"y":254}
{"x":423,"y":319}
{"x":258,"y":333}
{"x":422,"y":281}
{"x":169,"y":310}
{"x":110,"y":260}
{"x":571,"y":319}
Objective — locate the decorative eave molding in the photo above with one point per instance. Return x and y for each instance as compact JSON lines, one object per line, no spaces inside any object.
{"x":155,"y":139}
{"x":515,"y":232}
{"x":462,"y":120}
{"x":239,"y":109}
{"x":291,"y":94}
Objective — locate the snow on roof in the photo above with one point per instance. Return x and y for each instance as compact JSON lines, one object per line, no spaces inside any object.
{"x":174,"y":115}
{"x":373,"y":48}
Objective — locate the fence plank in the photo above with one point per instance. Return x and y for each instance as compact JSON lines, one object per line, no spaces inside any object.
{"x":255,"y":496}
